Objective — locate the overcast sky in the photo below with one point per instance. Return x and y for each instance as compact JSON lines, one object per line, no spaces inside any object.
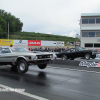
{"x":59,"y":17}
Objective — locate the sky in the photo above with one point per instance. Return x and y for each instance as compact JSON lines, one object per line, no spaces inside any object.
{"x":58,"y":17}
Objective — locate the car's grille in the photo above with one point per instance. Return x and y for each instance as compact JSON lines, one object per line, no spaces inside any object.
{"x":43,"y":56}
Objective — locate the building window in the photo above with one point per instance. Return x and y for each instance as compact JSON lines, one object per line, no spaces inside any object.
{"x":96,"y":44}
{"x":84,"y":21}
{"x":97,"y":34}
{"x":92,"y":21}
{"x":85,"y":34}
{"x":91,"y":34}
{"x":97,"y":20}
{"x":88,"y":44}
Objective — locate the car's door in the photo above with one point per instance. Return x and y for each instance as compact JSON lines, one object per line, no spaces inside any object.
{"x":61,"y":54}
{"x":5,"y":55}
{"x":80,"y":52}
{"x":73,"y":53}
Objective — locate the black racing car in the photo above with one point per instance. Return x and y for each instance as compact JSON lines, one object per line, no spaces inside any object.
{"x":73,"y":53}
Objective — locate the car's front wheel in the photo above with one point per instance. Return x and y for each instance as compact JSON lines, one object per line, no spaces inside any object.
{"x":22,"y":66}
{"x":87,"y":56}
{"x":42,"y":66}
{"x":64,"y":57}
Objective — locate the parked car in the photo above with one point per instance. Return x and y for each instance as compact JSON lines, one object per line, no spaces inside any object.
{"x":73,"y":53}
{"x":21,"y":58}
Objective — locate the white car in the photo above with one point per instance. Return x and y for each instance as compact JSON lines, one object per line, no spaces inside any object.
{"x":21,"y":58}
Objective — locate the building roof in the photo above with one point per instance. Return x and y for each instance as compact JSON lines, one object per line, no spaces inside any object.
{"x":90,"y":14}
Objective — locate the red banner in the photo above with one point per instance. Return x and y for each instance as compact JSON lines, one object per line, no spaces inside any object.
{"x":34,"y":42}
{"x":98,"y":50}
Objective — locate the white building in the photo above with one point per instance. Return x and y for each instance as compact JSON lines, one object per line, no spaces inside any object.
{"x":90,"y":30}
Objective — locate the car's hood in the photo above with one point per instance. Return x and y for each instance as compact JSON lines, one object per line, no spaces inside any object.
{"x":31,"y":53}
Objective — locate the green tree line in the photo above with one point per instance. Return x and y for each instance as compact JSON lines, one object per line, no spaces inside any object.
{"x":15,"y":25}
{"x":41,"y":36}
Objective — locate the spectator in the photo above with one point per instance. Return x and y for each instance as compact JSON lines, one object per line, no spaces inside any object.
{"x":11,"y":45}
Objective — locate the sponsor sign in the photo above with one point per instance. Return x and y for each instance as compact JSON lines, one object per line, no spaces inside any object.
{"x":89,"y":64}
{"x":34,"y":42}
{"x":6,"y":42}
{"x":58,"y":43}
{"x":20,"y":42}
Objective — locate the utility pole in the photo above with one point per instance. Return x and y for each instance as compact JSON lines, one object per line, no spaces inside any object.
{"x":8,"y":30}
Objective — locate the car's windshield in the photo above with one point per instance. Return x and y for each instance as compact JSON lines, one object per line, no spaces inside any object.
{"x":19,"y":49}
{"x":80,"y":49}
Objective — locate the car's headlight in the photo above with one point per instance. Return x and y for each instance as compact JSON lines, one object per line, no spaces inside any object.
{"x":36,"y":57}
{"x":51,"y":56}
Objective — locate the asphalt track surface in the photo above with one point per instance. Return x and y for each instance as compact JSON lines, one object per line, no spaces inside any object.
{"x":56,"y":82}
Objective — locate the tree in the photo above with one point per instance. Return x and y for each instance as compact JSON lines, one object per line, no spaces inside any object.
{"x":1,"y":30}
{"x":15,"y":25}
{"x":2,"y":25}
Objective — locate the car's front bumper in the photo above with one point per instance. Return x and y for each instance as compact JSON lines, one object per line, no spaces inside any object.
{"x":37,"y":62}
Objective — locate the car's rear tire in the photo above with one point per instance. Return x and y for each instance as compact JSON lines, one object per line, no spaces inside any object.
{"x":22,"y":66}
{"x":64,"y":57}
{"x":42,"y":66}
{"x":87,"y":56}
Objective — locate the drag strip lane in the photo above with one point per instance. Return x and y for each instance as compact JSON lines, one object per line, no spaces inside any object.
{"x":74,"y":69}
{"x":54,"y":84}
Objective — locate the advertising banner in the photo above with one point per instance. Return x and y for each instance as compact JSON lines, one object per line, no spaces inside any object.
{"x":58,"y":43}
{"x":34,"y":42}
{"x":47,"y":43}
{"x":20,"y":42}
{"x":89,"y":64}
{"x":6,"y":42}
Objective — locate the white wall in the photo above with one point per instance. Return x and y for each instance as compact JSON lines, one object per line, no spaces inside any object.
{"x":46,"y":43}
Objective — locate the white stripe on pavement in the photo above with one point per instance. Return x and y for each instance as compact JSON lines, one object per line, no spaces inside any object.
{"x":24,"y":93}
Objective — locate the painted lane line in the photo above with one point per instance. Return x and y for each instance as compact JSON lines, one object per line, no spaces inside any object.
{"x":74,"y":70}
{"x":25,"y":93}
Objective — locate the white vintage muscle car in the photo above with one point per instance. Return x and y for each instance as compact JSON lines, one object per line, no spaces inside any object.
{"x":20,"y":58}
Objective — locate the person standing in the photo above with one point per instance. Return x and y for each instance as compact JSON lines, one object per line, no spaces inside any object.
{"x":11,"y":45}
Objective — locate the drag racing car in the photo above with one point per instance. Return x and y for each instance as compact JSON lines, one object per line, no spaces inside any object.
{"x":20,"y":58}
{"x":73,"y":53}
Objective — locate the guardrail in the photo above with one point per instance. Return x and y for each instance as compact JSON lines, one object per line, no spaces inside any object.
{"x":66,"y":62}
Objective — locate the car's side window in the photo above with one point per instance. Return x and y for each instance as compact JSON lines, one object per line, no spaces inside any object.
{"x":68,"y":50}
{"x":72,"y":50}
{"x":5,"y":51}
{"x":77,"y":50}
